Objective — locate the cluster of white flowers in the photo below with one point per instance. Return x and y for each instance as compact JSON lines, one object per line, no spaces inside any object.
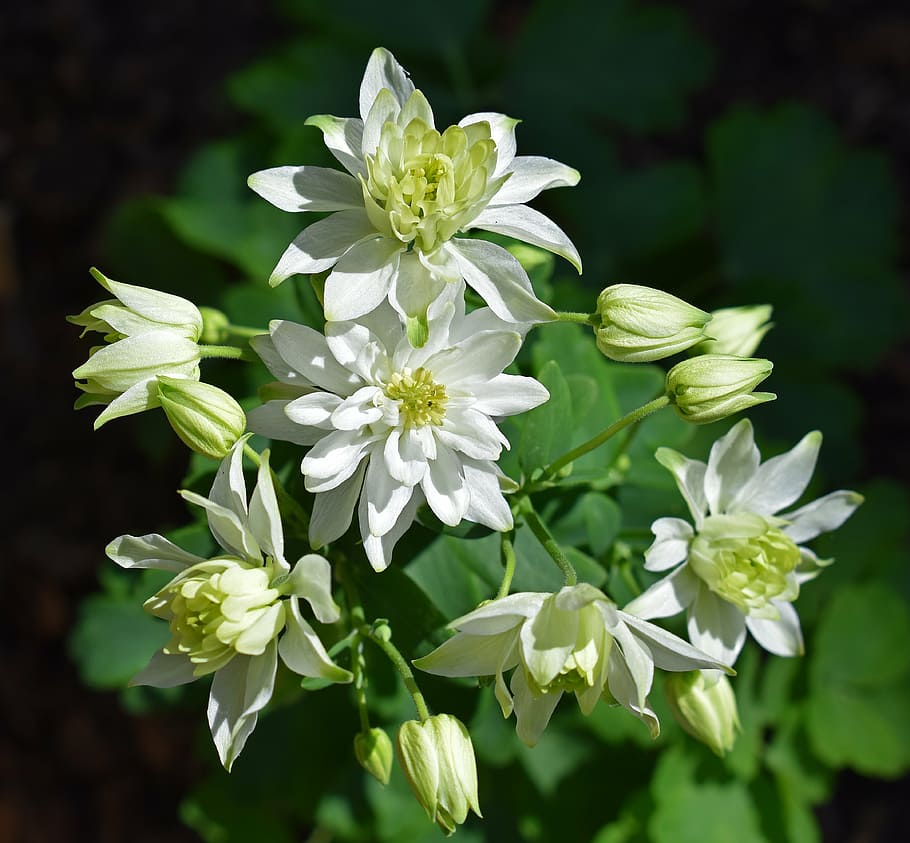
{"x":396,"y":404}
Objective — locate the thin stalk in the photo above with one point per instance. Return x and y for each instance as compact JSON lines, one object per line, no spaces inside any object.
{"x":404,"y":670}
{"x":636,"y":415}
{"x":227,"y":352}
{"x":246,"y":332}
{"x":507,"y":554}
{"x":543,"y":535}
{"x":577,"y":318}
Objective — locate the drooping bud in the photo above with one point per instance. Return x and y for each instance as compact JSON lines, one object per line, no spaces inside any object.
{"x":640,"y":324}
{"x":713,"y":386}
{"x":736,"y":330}
{"x":373,"y":749}
{"x":206,"y":418}
{"x":214,"y":326}
{"x":704,"y":704}
{"x":437,"y":757}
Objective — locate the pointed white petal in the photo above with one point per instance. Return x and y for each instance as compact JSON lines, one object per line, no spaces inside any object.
{"x":303,"y":652}
{"x":416,"y":107}
{"x":716,"y":626}
{"x":479,"y":358}
{"x":264,"y":346}
{"x":506,"y":395}
{"x":164,"y":671}
{"x":503,"y":613}
{"x":445,"y":488}
{"x":227,"y":528}
{"x":666,"y":597}
{"x":334,"y":459}
{"x":311,"y":579}
{"x":546,"y":641}
{"x":151,"y":551}
{"x":783,"y":636}
{"x":671,"y":544}
{"x":732,"y":463}
{"x":334,"y":509}
{"x":361,"y":279}
{"x":314,"y":411}
{"x":344,"y":138}
{"x":386,"y":497}
{"x":531,"y":713}
{"x":530,"y":226}
{"x":487,"y":504}
{"x":404,"y":458}
{"x":265,"y":518}
{"x":624,"y":690}
{"x":383,"y":71}
{"x":271,"y":421}
{"x":385,"y":109}
{"x":668,"y":651}
{"x":502,"y":130}
{"x":307,"y":352}
{"x":307,"y":188}
{"x":472,"y":655}
{"x":821,"y":516}
{"x":690,"y":479}
{"x":414,"y":288}
{"x":240,"y":690}
{"x":379,"y":548}
{"x":781,"y":480}
{"x":530,"y":174}
{"x":229,"y":487}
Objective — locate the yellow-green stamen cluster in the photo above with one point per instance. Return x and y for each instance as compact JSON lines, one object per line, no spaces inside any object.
{"x":219,"y":608}
{"x":747,"y":560}
{"x":423,"y":401}
{"x":422,"y":186}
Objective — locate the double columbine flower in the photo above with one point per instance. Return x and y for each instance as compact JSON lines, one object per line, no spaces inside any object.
{"x":576,"y":641}
{"x":148,"y":333}
{"x":742,"y":565}
{"x":396,"y":425}
{"x":226,"y":614}
{"x":408,"y":191}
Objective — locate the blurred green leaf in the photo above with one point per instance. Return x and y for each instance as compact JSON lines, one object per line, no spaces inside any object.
{"x":546,"y":427}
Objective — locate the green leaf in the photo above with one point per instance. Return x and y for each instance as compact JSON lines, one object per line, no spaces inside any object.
{"x":558,"y":753}
{"x":545,"y":427}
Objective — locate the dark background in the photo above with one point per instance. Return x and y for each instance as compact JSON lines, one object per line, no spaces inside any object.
{"x":104,"y":101}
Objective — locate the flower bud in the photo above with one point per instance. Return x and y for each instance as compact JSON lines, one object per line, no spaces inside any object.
{"x":438,"y":760}
{"x":206,"y":418}
{"x":713,"y":386}
{"x":215,"y":326}
{"x":704,"y":704}
{"x":736,"y":330}
{"x":639,"y":324}
{"x":373,"y":749}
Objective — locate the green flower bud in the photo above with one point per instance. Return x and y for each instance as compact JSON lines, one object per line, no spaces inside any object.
{"x":713,"y":386}
{"x":438,"y":760}
{"x":215,"y":326}
{"x":704,"y":704}
{"x":736,"y":330}
{"x":639,"y":324}
{"x":373,"y":749}
{"x":206,"y":418}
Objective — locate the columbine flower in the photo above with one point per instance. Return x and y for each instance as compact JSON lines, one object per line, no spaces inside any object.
{"x":227,"y":613}
{"x":405,"y":424}
{"x":742,"y":564}
{"x":711,"y":387}
{"x":575,"y":640}
{"x":408,"y":192}
{"x":703,"y":703}
{"x":437,"y":757}
{"x":149,"y":333}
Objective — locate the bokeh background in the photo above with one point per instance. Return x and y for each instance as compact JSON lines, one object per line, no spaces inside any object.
{"x":731,"y":152}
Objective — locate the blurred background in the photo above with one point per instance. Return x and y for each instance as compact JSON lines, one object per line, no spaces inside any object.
{"x":731,"y":153}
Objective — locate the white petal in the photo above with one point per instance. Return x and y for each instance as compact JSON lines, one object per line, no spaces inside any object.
{"x":669,"y":651}
{"x":671,"y":544}
{"x":227,"y":528}
{"x":167,"y":309}
{"x":379,"y":548}
{"x":532,"y":713}
{"x":781,"y":480}
{"x":121,"y":365}
{"x":265,"y":518}
{"x":264,"y":346}
{"x":478,"y":358}
{"x":385,"y":109}
{"x":636,"y":657}
{"x":716,"y":626}
{"x":404,"y":458}
{"x":821,"y":516}
{"x":361,"y":279}
{"x":471,"y":433}
{"x":271,"y":421}
{"x":141,"y":396}
{"x":414,"y":287}
{"x":666,"y":597}
{"x":334,"y":509}
{"x":151,"y":551}
{"x":229,"y":486}
{"x":165,"y":671}
{"x":359,"y":410}
{"x":445,"y":488}
{"x":732,"y":463}
{"x":383,"y":71}
{"x":487,"y":505}
{"x":307,"y":352}
{"x":334,"y":459}
{"x":240,"y":690}
{"x":506,"y":395}
{"x":501,"y":614}
{"x":344,"y":138}
{"x":624,"y":690}
{"x":314,"y":411}
{"x":690,"y":479}
{"x":416,"y":107}
{"x":499,"y":279}
{"x":307,"y":188}
{"x":303,"y":652}
{"x":502,"y":130}
{"x":322,"y":244}
{"x":546,"y":641}
{"x":311,"y":579}
{"x":530,"y":226}
{"x":472,"y":655}
{"x":783,"y":637}
{"x":530,"y":174}
{"x":386,"y":497}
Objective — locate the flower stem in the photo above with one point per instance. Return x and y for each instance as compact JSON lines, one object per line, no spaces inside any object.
{"x":401,"y":665}
{"x":507,"y":554}
{"x":546,"y":539}
{"x":246,"y":332}
{"x":636,"y":415}
{"x":577,"y":318}
{"x":227,"y":352}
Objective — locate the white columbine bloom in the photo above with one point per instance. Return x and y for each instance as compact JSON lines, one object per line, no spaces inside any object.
{"x":226,"y":614}
{"x":408,"y":192}
{"x":575,"y":640}
{"x":742,"y":565}
{"x":396,"y":425}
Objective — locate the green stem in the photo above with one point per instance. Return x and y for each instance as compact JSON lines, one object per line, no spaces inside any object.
{"x":227,"y":352}
{"x":625,"y":571}
{"x":577,"y":318}
{"x":404,"y":670}
{"x":507,"y":554}
{"x":557,"y":465}
{"x":546,"y":539}
{"x":244,"y":331}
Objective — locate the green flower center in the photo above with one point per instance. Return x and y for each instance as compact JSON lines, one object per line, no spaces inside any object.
{"x":422,"y":400}
{"x":747,"y":560}
{"x":422,"y":186}
{"x":219,"y":608}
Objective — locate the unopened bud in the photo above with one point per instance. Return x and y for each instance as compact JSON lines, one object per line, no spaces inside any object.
{"x":713,"y":386}
{"x":704,"y":704}
{"x":639,"y":324}
{"x":373,"y":749}
{"x":215,"y":326}
{"x":206,"y":418}
{"x":736,"y":330}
